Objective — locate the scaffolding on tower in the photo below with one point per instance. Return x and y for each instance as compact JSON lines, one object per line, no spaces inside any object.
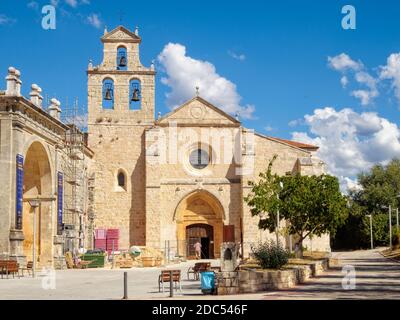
{"x":75,"y":177}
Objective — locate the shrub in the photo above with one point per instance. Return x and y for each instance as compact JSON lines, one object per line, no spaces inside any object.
{"x":270,"y":255}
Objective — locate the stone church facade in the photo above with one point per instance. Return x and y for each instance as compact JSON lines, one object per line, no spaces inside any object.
{"x":183,"y":175}
{"x":162,"y":181}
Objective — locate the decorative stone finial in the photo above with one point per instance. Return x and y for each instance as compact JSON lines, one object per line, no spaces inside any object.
{"x":197,"y":91}
{"x":35,"y":95}
{"x":105,"y":30}
{"x":237,"y":116}
{"x":152,"y":65}
{"x":90,"y":66}
{"x":13,"y":82}
{"x":54,"y":108}
{"x":137,"y":31}
{"x":159,"y":115}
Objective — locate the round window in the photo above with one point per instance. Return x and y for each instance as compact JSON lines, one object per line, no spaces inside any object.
{"x":199,"y":159}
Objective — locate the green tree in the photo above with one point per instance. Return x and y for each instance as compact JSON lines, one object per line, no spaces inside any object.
{"x":379,"y":188}
{"x":311,"y":205}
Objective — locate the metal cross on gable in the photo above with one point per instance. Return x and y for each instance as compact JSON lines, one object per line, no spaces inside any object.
{"x":121,"y":15}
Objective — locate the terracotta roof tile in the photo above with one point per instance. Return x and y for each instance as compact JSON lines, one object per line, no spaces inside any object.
{"x":297,"y":144}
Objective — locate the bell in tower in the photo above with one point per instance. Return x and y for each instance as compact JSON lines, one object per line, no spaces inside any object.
{"x":108,"y":95}
{"x":135,"y":92}
{"x":122,"y":61}
{"x":135,"y":95}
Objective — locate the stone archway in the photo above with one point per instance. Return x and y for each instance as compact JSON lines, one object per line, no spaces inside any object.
{"x":37,"y":183}
{"x":199,"y":210}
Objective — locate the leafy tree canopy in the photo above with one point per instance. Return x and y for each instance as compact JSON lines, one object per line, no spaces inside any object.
{"x":311,"y":205}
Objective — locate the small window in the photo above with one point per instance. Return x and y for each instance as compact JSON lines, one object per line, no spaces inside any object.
{"x":121,"y":180}
{"x":199,"y":159}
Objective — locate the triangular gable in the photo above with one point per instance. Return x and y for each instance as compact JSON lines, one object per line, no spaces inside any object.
{"x":198,"y":111}
{"x":120,"y":34}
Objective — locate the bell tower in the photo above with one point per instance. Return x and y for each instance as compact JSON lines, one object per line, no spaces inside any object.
{"x":120,"y":109}
{"x":121,"y":88}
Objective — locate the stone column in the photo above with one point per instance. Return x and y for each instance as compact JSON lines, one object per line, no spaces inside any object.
{"x":16,"y":236}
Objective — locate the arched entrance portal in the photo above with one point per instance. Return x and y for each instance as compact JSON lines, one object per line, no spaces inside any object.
{"x":204,"y":234}
{"x":37,"y":183}
{"x":199,"y":217}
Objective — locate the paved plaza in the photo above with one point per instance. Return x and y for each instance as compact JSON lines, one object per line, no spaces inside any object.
{"x":376,"y":278}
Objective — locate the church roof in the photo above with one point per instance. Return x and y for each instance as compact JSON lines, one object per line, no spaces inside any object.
{"x":219,"y":116}
{"x":121,"y":34}
{"x":203,"y":102}
{"x":300,"y":145}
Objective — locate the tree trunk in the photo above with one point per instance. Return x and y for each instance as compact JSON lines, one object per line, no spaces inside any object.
{"x":299,"y":249}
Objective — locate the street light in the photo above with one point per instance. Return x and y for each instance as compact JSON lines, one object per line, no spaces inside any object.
{"x":370,"y":227}
{"x":390,"y":224}
{"x":397,"y":214}
{"x":34,"y":203}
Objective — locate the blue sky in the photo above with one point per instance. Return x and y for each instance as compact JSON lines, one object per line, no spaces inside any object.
{"x":275,"y":52}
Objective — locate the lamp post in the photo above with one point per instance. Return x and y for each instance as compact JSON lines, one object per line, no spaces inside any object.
{"x":397,"y":215}
{"x":34,"y":203}
{"x":370,"y":227}
{"x":390,"y":226}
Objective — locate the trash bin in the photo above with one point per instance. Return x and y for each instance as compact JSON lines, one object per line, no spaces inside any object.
{"x":207,"y":282}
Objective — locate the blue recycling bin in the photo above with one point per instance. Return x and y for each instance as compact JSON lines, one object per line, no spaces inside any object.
{"x":207,"y":282}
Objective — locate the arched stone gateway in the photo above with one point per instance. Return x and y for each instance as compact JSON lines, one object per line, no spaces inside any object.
{"x":37,"y":183}
{"x":199,"y":217}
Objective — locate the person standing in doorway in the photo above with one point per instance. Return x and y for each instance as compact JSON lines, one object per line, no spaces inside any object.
{"x":197,"y":249}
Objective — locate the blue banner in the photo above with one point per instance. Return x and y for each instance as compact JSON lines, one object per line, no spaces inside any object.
{"x":59,"y":203}
{"x":19,"y":192}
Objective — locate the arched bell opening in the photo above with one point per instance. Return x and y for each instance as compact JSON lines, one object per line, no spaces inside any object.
{"x":135,"y":94}
{"x":108,"y":94}
{"x":122,"y":58}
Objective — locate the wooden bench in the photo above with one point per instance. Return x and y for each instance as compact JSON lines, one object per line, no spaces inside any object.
{"x":197,"y":268}
{"x":29,"y":268}
{"x":9,"y":267}
{"x":165,"y":277}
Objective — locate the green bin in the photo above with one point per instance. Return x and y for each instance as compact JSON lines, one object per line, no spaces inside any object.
{"x":98,"y":260}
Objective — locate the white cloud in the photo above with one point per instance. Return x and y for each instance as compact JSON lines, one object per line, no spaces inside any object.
{"x":5,"y":20}
{"x":344,"y":81}
{"x":347,"y":184}
{"x":240,"y":57}
{"x":54,"y":2}
{"x":94,"y":20}
{"x":33,"y":5}
{"x":268,"y":128}
{"x":366,"y":96}
{"x":392,"y":72}
{"x":343,"y":62}
{"x":351,"y":142}
{"x":72,"y":3}
{"x":184,"y":73}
